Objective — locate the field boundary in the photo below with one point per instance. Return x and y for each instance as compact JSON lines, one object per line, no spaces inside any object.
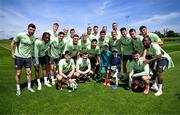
{"x":6,"y":48}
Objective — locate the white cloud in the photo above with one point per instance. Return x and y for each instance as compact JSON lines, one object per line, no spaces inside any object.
{"x":156,"y":19}
{"x":11,"y":22}
{"x":99,"y":11}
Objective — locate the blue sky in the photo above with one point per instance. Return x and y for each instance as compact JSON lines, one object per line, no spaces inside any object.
{"x":15,"y":15}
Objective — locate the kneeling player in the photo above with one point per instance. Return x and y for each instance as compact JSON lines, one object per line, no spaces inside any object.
{"x":66,"y":70}
{"x":139,"y":70}
{"x":83,"y":67}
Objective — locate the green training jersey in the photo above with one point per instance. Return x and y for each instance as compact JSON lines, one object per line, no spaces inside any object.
{"x":90,"y":37}
{"x":53,"y":34}
{"x":154,"y":37}
{"x":115,"y":43}
{"x":73,"y":48}
{"x":95,"y":36}
{"x":139,"y":68}
{"x":155,"y":49}
{"x":40,"y":49}
{"x":93,"y":51}
{"x":127,"y":45}
{"x":66,"y":66}
{"x":83,"y":65}
{"x":83,"y":45}
{"x":101,"y":42}
{"x":138,"y":44}
{"x":24,"y":45}
{"x":56,"y":48}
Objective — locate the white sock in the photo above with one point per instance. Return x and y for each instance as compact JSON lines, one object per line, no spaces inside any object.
{"x":116,"y":81}
{"x":45,"y":79}
{"x":17,"y":86}
{"x":160,"y":87}
{"x":155,"y":84}
{"x":52,"y":78}
{"x":38,"y":80}
{"x":29,"y":84}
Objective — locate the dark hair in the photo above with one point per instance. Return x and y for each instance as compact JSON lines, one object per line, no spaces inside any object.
{"x":85,"y":53}
{"x":102,"y":32}
{"x":122,"y":29}
{"x":46,"y":33}
{"x":31,"y":25}
{"x":72,"y":29}
{"x":89,"y":27}
{"x":95,"y":27}
{"x":75,"y":35}
{"x":147,"y":38}
{"x":132,"y":30}
{"x":114,"y":23}
{"x":67,"y":53}
{"x":94,"y":40}
{"x":61,"y":33}
{"x":142,"y":28}
{"x":56,"y":24}
{"x":135,"y":52}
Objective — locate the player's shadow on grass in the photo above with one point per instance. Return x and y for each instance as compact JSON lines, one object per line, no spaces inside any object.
{"x":178,"y":96}
{"x":33,"y":82}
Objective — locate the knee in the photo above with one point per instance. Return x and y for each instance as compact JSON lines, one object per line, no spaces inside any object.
{"x":36,"y":68}
{"x":18,"y":74}
{"x":76,"y":74}
{"x":91,"y":73}
{"x":59,"y":78}
{"x":28,"y":72}
{"x":159,"y":72}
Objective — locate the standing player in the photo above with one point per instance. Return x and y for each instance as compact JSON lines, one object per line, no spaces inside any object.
{"x":67,"y":37}
{"x":115,"y":28}
{"x":55,"y":53}
{"x":41,"y":46}
{"x":108,"y":35}
{"x":154,"y":37}
{"x":160,"y":59}
{"x":73,"y":47}
{"x":137,"y":41}
{"x":95,"y":32}
{"x":53,"y":32}
{"x":84,"y":42}
{"x":21,"y":49}
{"x":102,"y":39}
{"x":89,"y":33}
{"x":114,"y":42}
{"x":94,"y":52}
{"x":127,"y":46}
